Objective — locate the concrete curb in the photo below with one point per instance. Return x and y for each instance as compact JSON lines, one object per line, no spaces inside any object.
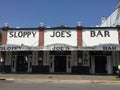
{"x":60,"y":80}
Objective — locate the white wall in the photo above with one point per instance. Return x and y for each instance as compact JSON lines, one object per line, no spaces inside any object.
{"x":61,"y":36}
{"x":111,"y":20}
{"x":26,"y":37}
{"x":99,"y":36}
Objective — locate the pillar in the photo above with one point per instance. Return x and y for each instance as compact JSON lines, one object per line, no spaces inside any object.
{"x":79,"y":36}
{"x":41,"y":36}
{"x":4,"y":34}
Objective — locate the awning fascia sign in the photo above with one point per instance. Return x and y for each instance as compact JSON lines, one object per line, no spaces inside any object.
{"x":101,"y":47}
{"x":60,"y":47}
{"x":19,"y":48}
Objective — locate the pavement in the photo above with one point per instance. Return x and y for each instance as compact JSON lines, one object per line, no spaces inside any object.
{"x":66,"y":78}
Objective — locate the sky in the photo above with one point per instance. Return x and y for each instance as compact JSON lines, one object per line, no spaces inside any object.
{"x":30,"y":13}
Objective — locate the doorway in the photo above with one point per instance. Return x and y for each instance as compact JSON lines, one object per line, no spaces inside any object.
{"x":60,"y":64}
{"x":100,"y":64}
{"x":22,"y":64}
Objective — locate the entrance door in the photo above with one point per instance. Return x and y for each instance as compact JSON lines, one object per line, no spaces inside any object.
{"x":60,"y":64}
{"x":22,"y":64}
{"x":100,"y":64}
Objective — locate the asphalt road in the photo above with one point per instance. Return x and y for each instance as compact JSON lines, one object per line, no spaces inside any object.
{"x":32,"y":85}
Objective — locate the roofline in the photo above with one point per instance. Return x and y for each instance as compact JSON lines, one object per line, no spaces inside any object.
{"x":45,"y":28}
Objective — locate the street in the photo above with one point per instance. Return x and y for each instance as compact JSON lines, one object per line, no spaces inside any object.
{"x":33,"y":85}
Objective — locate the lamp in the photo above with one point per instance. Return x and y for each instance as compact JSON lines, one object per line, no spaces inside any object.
{"x":1,"y":60}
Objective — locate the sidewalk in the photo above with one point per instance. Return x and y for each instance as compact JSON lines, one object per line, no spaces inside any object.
{"x":61,"y":78}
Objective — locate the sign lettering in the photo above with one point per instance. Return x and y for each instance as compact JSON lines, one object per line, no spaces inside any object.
{"x":21,"y":34}
{"x":109,"y":48}
{"x":99,"y":34}
{"x":60,"y":48}
{"x":10,"y":48}
{"x":61,"y":34}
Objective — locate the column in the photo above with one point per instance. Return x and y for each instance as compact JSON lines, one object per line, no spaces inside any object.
{"x":109,"y":65}
{"x":41,"y":36}
{"x":79,"y":36}
{"x":4,"y":34}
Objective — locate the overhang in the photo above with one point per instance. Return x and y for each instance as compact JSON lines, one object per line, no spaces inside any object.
{"x":60,"y":47}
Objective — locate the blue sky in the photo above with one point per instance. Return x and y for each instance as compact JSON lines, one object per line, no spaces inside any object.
{"x":29,"y":13}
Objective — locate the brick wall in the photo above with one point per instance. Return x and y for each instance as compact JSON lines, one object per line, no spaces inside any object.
{"x":41,"y":36}
{"x":79,"y":36}
{"x":4,"y":35}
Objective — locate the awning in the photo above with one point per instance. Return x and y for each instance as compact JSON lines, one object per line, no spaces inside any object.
{"x":65,"y":47}
{"x":103,"y":47}
{"x":12,"y":47}
{"x":61,"y":47}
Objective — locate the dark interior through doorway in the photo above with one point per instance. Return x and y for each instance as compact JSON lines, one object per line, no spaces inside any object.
{"x":100,"y":64}
{"x":60,"y":64}
{"x":22,"y":64}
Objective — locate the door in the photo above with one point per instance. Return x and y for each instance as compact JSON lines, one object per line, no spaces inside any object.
{"x":13,"y":68}
{"x":29,"y":63}
{"x":60,"y":64}
{"x":22,"y":64}
{"x":100,"y":64}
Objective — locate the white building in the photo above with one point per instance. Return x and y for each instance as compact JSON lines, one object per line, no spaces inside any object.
{"x":113,"y":19}
{"x":83,"y":50}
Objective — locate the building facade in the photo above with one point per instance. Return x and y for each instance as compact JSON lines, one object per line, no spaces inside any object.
{"x":113,"y":19}
{"x":82,"y":50}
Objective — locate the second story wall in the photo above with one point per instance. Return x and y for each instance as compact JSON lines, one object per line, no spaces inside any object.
{"x":25,"y":37}
{"x":96,"y":36}
{"x":86,"y":36}
{"x":60,"y":36}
